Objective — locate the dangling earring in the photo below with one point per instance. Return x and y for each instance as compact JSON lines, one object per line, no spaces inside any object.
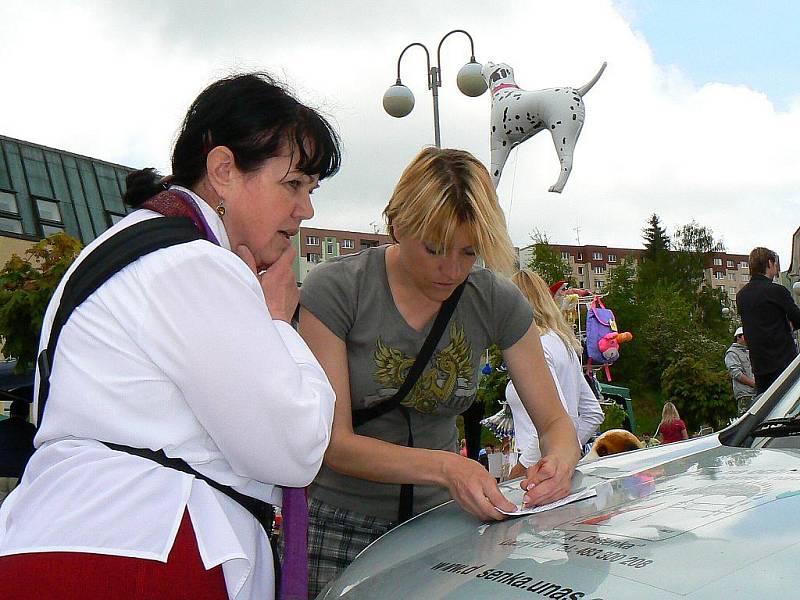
{"x":221,"y":208}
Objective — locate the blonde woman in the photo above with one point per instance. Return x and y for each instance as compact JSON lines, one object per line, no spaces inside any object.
{"x":561,"y":351}
{"x":672,"y":428}
{"x":365,"y":316}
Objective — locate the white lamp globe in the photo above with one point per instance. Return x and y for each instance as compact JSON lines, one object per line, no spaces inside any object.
{"x":796,"y":288}
{"x":470,"y":81}
{"x":725,"y":311}
{"x":398,"y":100}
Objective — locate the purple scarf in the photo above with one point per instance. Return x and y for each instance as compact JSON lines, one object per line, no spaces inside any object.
{"x":294,"y":512}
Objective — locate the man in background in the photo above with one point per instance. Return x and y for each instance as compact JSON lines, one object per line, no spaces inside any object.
{"x":769,"y":315}
{"x":737,"y":361}
{"x":16,"y":446}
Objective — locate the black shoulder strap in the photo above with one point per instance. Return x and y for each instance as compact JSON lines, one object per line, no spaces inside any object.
{"x":108,"y":258}
{"x":365,"y":415}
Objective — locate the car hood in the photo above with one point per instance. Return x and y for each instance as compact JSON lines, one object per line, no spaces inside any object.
{"x":687,"y":520}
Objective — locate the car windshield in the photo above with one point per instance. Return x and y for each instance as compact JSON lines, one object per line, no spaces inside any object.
{"x":780,"y":426}
{"x":788,"y":402}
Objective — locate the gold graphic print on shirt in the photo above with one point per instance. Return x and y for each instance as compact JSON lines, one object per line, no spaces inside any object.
{"x":448,"y":382}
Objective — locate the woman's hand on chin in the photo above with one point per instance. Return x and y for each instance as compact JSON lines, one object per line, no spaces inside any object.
{"x":278,"y":282}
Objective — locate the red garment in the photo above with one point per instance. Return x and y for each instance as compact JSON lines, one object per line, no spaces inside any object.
{"x":83,"y":576}
{"x":672,"y":431}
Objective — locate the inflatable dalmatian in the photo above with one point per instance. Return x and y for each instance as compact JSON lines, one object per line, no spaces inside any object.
{"x":518,"y":115}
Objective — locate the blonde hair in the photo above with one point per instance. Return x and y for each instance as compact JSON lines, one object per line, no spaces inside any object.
{"x":546,"y":312}
{"x":442,"y":189}
{"x":669,"y":413}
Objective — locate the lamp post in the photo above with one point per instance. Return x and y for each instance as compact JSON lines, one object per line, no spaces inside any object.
{"x":398,"y":100}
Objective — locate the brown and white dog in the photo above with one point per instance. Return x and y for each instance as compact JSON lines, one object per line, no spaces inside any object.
{"x":612,"y":441}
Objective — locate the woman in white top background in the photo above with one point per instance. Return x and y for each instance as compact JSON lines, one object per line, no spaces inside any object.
{"x":188,"y":350}
{"x":561,"y":352}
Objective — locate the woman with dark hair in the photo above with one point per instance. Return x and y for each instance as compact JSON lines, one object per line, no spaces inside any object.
{"x":180,"y":397}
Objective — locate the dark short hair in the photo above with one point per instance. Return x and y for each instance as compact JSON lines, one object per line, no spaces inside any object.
{"x":19,"y":408}
{"x":253,"y":116}
{"x":759,"y":260}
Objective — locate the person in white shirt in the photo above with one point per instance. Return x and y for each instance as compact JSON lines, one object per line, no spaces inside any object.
{"x":561,"y":351}
{"x":188,"y":350}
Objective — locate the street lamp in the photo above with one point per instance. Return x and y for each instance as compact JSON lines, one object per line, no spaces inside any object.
{"x":398,"y":100}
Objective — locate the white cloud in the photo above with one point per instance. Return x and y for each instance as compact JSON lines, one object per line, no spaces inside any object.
{"x":113,"y":80}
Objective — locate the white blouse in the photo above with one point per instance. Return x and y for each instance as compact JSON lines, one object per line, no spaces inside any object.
{"x":577,"y":397}
{"x":176,"y":351}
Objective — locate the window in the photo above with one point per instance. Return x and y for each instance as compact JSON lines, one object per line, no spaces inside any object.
{"x":313,"y":257}
{"x":599,"y":270}
{"x":730,"y":264}
{"x":312,"y":240}
{"x":10,"y":225}
{"x":8,"y":203}
{"x":368,"y":244}
{"x":580,"y":270}
{"x":717,"y":262}
{"x":9,"y":211}
{"x":580,"y":285}
{"x":565,"y":256}
{"x":48,"y":211}
{"x":744,"y":277}
{"x":597,"y":256}
{"x":612,"y":258}
{"x":719,"y":275}
{"x":732,"y":276}
{"x":48,"y":230}
{"x":598,"y":284}
{"x":579,"y":256}
{"x":348,"y":244}
{"x":49,"y":217}
{"x":732,"y":292}
{"x":743,"y":265}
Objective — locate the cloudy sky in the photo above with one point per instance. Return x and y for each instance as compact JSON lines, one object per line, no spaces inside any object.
{"x":697,"y":116}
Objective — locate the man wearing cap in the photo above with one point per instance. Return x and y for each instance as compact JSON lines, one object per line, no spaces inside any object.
{"x":737,"y":361}
{"x":769,"y":315}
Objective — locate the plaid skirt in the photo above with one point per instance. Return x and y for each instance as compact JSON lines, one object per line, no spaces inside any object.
{"x":335,"y":538}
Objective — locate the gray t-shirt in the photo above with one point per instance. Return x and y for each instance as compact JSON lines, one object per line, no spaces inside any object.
{"x":351,"y":296}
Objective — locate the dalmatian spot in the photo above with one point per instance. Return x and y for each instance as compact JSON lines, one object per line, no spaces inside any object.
{"x":504,"y":142}
{"x":493,"y":128}
{"x":572,"y":108}
{"x":497,"y":171}
{"x":505,"y":113}
{"x":516,"y":116}
{"x":558,"y":122}
{"x":558,"y":89}
{"x":574,"y":117}
{"x":552,"y":126}
{"x":563,"y":141}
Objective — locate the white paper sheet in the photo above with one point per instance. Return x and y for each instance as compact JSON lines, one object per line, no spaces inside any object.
{"x":582,"y":495}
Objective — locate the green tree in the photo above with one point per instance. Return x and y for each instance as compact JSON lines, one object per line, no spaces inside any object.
{"x":656,"y":240}
{"x":26,"y":285}
{"x":701,"y":394}
{"x":547,"y":262}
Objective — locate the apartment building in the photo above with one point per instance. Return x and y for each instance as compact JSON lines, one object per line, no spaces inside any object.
{"x":315,"y":245}
{"x":728,"y":272}
{"x":590,"y":266}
